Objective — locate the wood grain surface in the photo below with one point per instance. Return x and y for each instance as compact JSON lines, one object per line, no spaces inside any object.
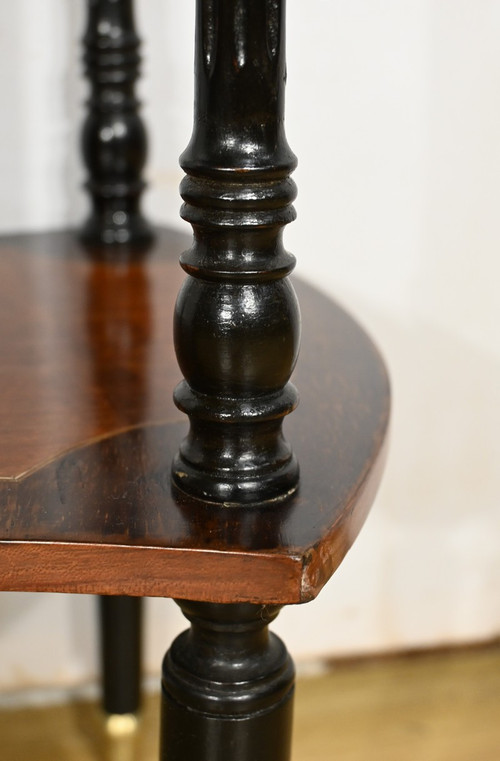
{"x":88,"y":430}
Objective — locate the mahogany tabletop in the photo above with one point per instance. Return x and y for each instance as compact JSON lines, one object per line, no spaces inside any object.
{"x":88,"y":430}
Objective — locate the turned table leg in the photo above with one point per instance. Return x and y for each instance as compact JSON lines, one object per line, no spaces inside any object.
{"x":227,"y":687}
{"x":114,"y":150}
{"x":237,"y":322}
{"x":114,"y":141}
{"x":228,"y":682}
{"x":120,"y":619}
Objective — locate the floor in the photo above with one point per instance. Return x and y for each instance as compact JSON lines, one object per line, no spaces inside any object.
{"x":431,"y":707}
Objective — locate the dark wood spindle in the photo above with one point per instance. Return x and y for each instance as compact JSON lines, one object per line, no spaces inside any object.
{"x":114,"y":150}
{"x":237,"y":320}
{"x":227,"y":687}
{"x":113,"y":139}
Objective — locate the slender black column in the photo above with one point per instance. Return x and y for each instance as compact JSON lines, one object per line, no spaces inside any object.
{"x":227,"y":687}
{"x":113,"y":138}
{"x":121,"y":630}
{"x":237,"y":323}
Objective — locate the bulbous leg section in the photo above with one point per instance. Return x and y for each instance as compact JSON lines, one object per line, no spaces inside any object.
{"x":227,"y":687}
{"x":237,"y":323}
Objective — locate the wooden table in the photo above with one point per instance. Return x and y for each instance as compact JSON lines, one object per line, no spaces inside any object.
{"x":103,"y":487}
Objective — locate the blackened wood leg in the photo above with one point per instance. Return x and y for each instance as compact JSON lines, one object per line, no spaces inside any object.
{"x":121,"y":630}
{"x":237,"y":322}
{"x":114,"y":149}
{"x":227,"y":687}
{"x":114,"y":141}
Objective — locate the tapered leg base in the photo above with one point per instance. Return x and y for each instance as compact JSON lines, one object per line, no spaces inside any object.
{"x":227,"y":687}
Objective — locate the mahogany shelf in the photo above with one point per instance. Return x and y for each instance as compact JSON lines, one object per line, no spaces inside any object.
{"x":88,"y":430}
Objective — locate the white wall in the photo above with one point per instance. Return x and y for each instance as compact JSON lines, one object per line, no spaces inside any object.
{"x":394,"y":111}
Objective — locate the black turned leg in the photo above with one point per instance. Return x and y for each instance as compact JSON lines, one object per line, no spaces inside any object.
{"x":237,"y":323}
{"x":114,"y":139}
{"x":121,"y":653}
{"x":227,"y":682}
{"x":114,"y":151}
{"x":227,"y":687}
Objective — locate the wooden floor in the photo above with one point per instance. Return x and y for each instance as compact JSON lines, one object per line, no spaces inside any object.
{"x":435,"y":707}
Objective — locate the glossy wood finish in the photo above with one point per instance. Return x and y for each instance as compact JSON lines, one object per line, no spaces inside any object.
{"x":88,"y":430}
{"x":237,"y":322}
